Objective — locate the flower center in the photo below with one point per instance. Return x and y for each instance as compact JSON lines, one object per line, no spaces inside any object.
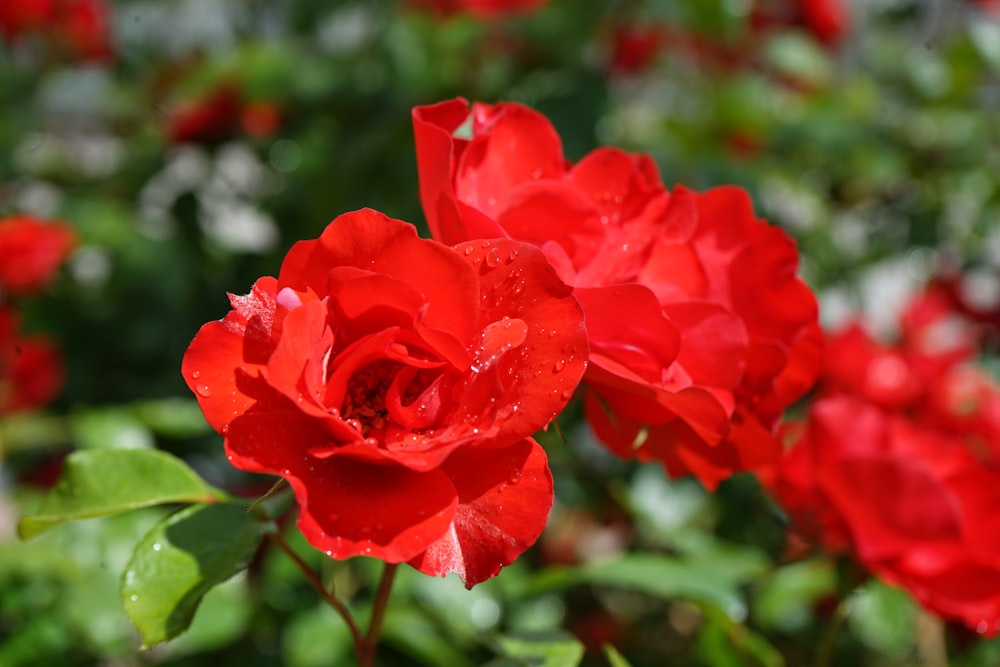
{"x":364,"y":403}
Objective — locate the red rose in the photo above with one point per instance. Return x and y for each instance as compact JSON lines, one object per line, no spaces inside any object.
{"x":920,"y":509}
{"x":636,"y":47}
{"x":931,"y":344}
{"x":700,"y":332}
{"x":31,"y":369}
{"x":80,"y":27}
{"x":480,"y":8}
{"x":20,"y":16}
{"x":827,"y":20}
{"x":207,"y":119}
{"x":395,"y":383}
{"x":85,"y":26}
{"x":31,"y":251}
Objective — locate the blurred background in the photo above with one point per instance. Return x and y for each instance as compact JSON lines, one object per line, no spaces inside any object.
{"x":187,"y":144}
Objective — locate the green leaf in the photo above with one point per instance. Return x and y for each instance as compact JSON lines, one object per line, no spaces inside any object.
{"x":181,"y":559}
{"x":615,"y":659}
{"x":541,"y":649}
{"x":100,"y":482}
{"x":702,"y":580}
{"x":110,"y":428}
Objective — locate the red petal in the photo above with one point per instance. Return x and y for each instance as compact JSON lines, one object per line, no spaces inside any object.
{"x":713,"y":345}
{"x":515,"y":145}
{"x":346,"y":508}
{"x":504,"y":501}
{"x":644,"y":342}
{"x":531,"y":382}
{"x":222,"y":350}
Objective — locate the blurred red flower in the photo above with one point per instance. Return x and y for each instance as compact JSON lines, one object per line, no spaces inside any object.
{"x":220,"y":114}
{"x":395,"y":383}
{"x":914,"y":504}
{"x":635,"y":47}
{"x":700,"y":332}
{"x":31,"y":369}
{"x":480,"y":8}
{"x":828,"y":20}
{"x":80,"y":27}
{"x":31,"y":251}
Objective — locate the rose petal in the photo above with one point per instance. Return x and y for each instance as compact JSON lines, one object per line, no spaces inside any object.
{"x":504,"y":501}
{"x":239,"y":342}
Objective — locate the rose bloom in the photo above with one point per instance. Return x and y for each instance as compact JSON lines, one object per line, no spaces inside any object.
{"x":635,"y":47}
{"x":917,"y":506}
{"x":31,"y":369}
{"x":927,"y":371}
{"x":479,"y":8}
{"x":31,"y":251}
{"x":79,"y":27}
{"x":930,"y":340}
{"x":828,"y":20}
{"x":206,"y":119}
{"x":395,"y":382}
{"x":700,"y":332}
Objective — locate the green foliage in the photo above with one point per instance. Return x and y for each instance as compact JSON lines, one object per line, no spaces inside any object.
{"x":181,"y":559}
{"x":107,"y":481}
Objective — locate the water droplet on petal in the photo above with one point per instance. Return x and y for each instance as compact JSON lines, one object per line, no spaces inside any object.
{"x":515,"y":476}
{"x":195,"y":375}
{"x":203,"y":390}
{"x":493,"y":257}
{"x":469,"y":250}
{"x":329,"y":552}
{"x":559,"y":365}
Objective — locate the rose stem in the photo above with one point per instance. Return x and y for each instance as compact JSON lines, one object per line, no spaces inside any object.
{"x":328,"y":597}
{"x":828,"y":642}
{"x":367,"y":659}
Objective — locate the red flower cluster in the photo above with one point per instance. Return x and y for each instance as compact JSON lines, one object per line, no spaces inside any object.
{"x":898,"y":463}
{"x":31,"y":251}
{"x":79,"y":27}
{"x":31,"y":370}
{"x":219,"y":115}
{"x":480,"y":8}
{"x":700,"y":332}
{"x":395,"y":382}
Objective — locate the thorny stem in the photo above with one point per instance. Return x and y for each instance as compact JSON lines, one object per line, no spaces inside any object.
{"x":366,"y":658}
{"x":360,"y":643}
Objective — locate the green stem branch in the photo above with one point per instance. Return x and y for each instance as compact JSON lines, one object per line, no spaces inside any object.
{"x":828,"y":642}
{"x":360,"y":643}
{"x":366,"y":658}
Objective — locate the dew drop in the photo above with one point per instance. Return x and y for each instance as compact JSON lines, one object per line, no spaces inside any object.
{"x":553,"y":333}
{"x":195,"y":375}
{"x":493,"y":258}
{"x":203,"y":390}
{"x":515,"y":476}
{"x":559,"y":365}
{"x":329,"y":552}
{"x":133,"y":598}
{"x":469,"y":250}
{"x":982,"y":627}
{"x":567,"y":394}
{"x":536,"y":174}
{"x":512,"y":256}
{"x":157,"y":546}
